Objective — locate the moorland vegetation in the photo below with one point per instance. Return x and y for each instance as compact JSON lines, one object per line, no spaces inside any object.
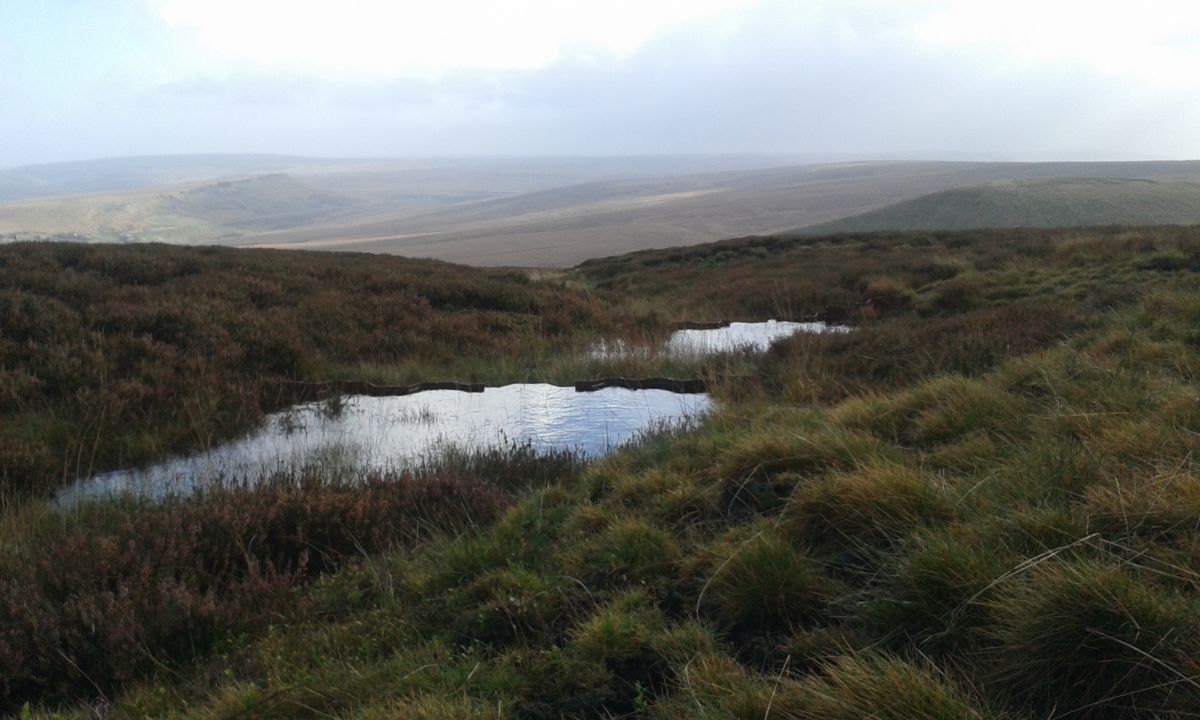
{"x":981,"y":503}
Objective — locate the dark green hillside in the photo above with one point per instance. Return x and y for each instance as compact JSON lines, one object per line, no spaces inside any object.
{"x":1035,"y":204}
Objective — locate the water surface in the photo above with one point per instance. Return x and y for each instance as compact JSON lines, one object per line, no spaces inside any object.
{"x":735,"y":337}
{"x":757,"y":336}
{"x":398,"y":432}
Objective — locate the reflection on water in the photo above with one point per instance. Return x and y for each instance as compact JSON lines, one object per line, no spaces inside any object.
{"x":742,"y":336}
{"x":735,"y":337}
{"x":393,"y":432}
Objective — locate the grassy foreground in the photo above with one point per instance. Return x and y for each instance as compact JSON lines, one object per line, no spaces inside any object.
{"x":983,"y":503}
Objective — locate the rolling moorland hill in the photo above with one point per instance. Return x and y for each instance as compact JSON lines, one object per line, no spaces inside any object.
{"x":208,"y":212}
{"x":1035,"y":204}
{"x":135,"y":199}
{"x":563,"y":226}
{"x":979,"y":504}
{"x":264,"y":202}
{"x":153,"y":172}
{"x":136,"y":173}
{"x":552,"y":212}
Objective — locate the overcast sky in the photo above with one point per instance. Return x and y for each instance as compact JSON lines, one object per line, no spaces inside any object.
{"x":1018,"y":79}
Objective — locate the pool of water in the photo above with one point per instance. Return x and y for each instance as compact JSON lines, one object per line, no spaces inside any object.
{"x":735,"y":337}
{"x":756,"y":336}
{"x":397,"y":432}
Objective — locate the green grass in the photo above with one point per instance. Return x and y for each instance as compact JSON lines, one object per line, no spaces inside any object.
{"x":982,"y":503}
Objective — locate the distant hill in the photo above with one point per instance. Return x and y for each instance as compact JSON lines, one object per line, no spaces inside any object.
{"x":420,"y":175}
{"x":559,"y":211}
{"x":209,"y":212}
{"x":1070,"y":202}
{"x":136,"y":173}
{"x":564,"y":225}
{"x":266,"y":202}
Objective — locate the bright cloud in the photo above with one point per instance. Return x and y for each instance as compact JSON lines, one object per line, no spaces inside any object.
{"x":913,"y":78}
{"x":382,"y":38}
{"x":1153,"y":42}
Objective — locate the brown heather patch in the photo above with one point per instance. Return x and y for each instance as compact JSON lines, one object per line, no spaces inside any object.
{"x":116,"y":591}
{"x":115,"y":355}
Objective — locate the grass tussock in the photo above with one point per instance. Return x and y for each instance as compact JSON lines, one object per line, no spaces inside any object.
{"x":764,"y":584}
{"x":1092,"y":639}
{"x":849,"y":517}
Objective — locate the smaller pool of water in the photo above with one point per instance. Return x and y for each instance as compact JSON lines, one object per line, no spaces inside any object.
{"x":735,"y":337}
{"x":756,"y":336}
{"x":398,"y":432}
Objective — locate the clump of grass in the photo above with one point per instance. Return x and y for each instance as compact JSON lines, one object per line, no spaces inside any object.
{"x":1089,"y":638}
{"x":807,"y":651}
{"x":512,"y":605}
{"x":762,"y":584}
{"x":1164,"y":509}
{"x":877,"y":686}
{"x":852,"y":516}
{"x":937,"y":412}
{"x":620,"y":630}
{"x":934,"y":598}
{"x":711,"y":686}
{"x":627,"y":552}
{"x":1047,"y":471}
{"x":1030,"y":531}
{"x":432,"y":708}
{"x":761,"y":468}
{"x":675,"y":498}
{"x":525,"y":536}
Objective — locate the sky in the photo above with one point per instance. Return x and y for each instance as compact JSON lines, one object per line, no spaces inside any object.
{"x":919,"y":79}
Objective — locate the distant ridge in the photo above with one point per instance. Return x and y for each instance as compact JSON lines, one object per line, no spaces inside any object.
{"x":136,"y":173}
{"x":1067,"y":202}
{"x":557,"y":212}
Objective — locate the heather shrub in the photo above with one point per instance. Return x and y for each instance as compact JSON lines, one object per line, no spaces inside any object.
{"x":123,"y":589}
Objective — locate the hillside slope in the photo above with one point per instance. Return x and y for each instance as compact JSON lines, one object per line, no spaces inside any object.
{"x":566,"y":225}
{"x":266,"y":202}
{"x":209,"y":212}
{"x":556,"y":212}
{"x":136,"y":173}
{"x":1044,"y":203}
